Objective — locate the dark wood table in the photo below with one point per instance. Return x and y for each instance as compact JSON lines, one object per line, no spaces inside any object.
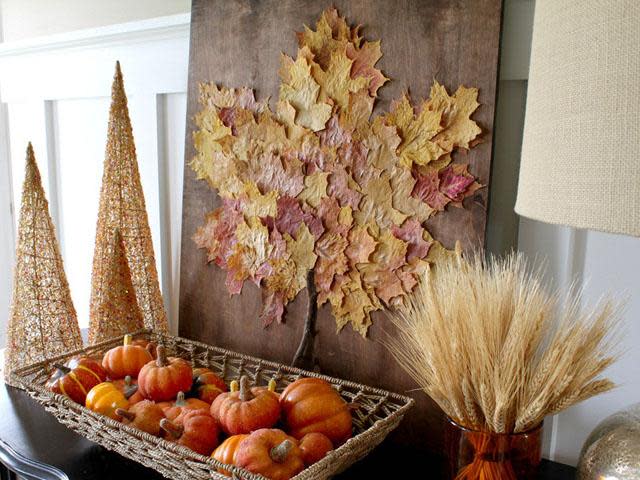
{"x":36,"y":447}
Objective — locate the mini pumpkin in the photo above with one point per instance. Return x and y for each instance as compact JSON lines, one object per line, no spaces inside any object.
{"x":144,"y":415}
{"x":105,"y":398}
{"x":198,"y":431}
{"x":76,"y":378}
{"x":315,"y":447}
{"x":248,"y":409}
{"x":129,"y":387}
{"x":226,"y":451}
{"x":173,"y":410}
{"x":207,"y":385}
{"x":163,"y":378}
{"x":312,"y":405}
{"x":271,"y":453}
{"x":126,"y":359}
{"x":147,"y":345}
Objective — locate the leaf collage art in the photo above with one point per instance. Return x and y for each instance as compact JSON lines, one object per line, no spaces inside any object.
{"x":318,"y":184}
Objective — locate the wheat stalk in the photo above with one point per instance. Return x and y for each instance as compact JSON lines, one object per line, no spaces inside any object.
{"x":496,"y":350}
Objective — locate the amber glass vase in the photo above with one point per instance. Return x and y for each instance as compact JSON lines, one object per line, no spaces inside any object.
{"x":477,"y":455}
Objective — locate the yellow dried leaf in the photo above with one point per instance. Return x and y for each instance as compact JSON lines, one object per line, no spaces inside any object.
{"x":302,"y":91}
{"x":356,"y":306}
{"x":302,"y":258}
{"x":458,"y":128}
{"x":332,"y":33}
{"x":223,"y":97}
{"x":252,"y":248}
{"x":376,"y":205}
{"x":315,"y":188}
{"x":402,"y":183}
{"x":356,"y":116}
{"x":336,"y":82}
{"x":345,"y":217}
{"x":417,"y":132}
{"x":257,"y":204}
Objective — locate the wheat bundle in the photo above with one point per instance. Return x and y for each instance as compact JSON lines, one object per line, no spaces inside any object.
{"x":496,"y":350}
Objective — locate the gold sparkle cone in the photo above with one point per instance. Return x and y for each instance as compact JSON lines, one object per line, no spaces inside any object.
{"x":122,"y":207}
{"x":116,"y":308}
{"x":43,"y":321}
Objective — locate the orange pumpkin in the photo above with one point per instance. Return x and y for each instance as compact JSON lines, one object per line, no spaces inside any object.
{"x":147,"y":345}
{"x":173,"y":410}
{"x":126,"y":359}
{"x":315,"y":447}
{"x":105,"y":399}
{"x":207,"y":385}
{"x":145,"y":415}
{"x":129,"y":387}
{"x":199,"y":431}
{"x":312,"y":405}
{"x":226,"y":451}
{"x":246,"y":410}
{"x":271,"y":453}
{"x":76,"y":378}
{"x":163,"y":378}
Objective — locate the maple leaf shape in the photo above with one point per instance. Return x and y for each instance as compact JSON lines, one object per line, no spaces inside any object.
{"x":320,"y":186}
{"x":413,"y":233}
{"x":336,"y":81}
{"x":364,"y":59}
{"x":417,"y":132}
{"x":302,"y":91}
{"x":449,"y":185}
{"x":332,"y":33}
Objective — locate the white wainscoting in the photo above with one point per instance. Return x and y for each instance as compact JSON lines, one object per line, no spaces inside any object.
{"x":56,"y":94}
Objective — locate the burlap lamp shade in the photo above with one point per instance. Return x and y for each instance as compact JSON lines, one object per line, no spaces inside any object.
{"x":580,"y":161}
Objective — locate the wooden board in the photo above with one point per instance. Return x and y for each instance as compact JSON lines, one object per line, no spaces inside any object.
{"x":238,"y":43}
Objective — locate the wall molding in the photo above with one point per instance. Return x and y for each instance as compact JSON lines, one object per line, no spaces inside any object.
{"x":160,"y":28}
{"x":55,"y":91}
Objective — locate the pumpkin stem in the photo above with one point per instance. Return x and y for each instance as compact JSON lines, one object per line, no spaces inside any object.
{"x":180,"y":400}
{"x":272,"y":385}
{"x":171,"y":428}
{"x":63,"y":368}
{"x":127,"y":340}
{"x":161,"y":361}
{"x":233,"y":386}
{"x":279,"y":453}
{"x":245,"y":389}
{"x":129,"y":389}
{"x":126,"y":414}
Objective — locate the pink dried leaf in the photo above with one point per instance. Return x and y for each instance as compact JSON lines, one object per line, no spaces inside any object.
{"x":412,"y":232}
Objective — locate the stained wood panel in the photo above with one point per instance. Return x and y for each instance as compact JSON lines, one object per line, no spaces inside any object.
{"x":238,"y":43}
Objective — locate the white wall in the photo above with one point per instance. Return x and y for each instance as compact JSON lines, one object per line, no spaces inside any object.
{"x":23,"y":19}
{"x":56,"y":93}
{"x":600,"y":263}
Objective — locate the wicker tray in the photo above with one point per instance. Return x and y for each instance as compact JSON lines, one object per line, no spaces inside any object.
{"x":378,"y":412}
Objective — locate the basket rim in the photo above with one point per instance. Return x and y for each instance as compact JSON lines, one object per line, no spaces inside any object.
{"x":294,"y":370}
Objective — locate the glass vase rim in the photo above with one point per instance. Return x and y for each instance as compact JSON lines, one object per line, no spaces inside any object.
{"x":531,"y":431}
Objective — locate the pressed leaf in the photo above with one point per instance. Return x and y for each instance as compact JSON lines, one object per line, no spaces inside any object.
{"x":364,"y":59}
{"x":416,"y":131}
{"x":301,"y":91}
{"x":335,"y":81}
{"x":315,"y":188}
{"x":413,"y":233}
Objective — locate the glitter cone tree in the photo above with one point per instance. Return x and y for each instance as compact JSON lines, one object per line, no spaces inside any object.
{"x":122,"y":207}
{"x":116,"y":310}
{"x":43,"y":321}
